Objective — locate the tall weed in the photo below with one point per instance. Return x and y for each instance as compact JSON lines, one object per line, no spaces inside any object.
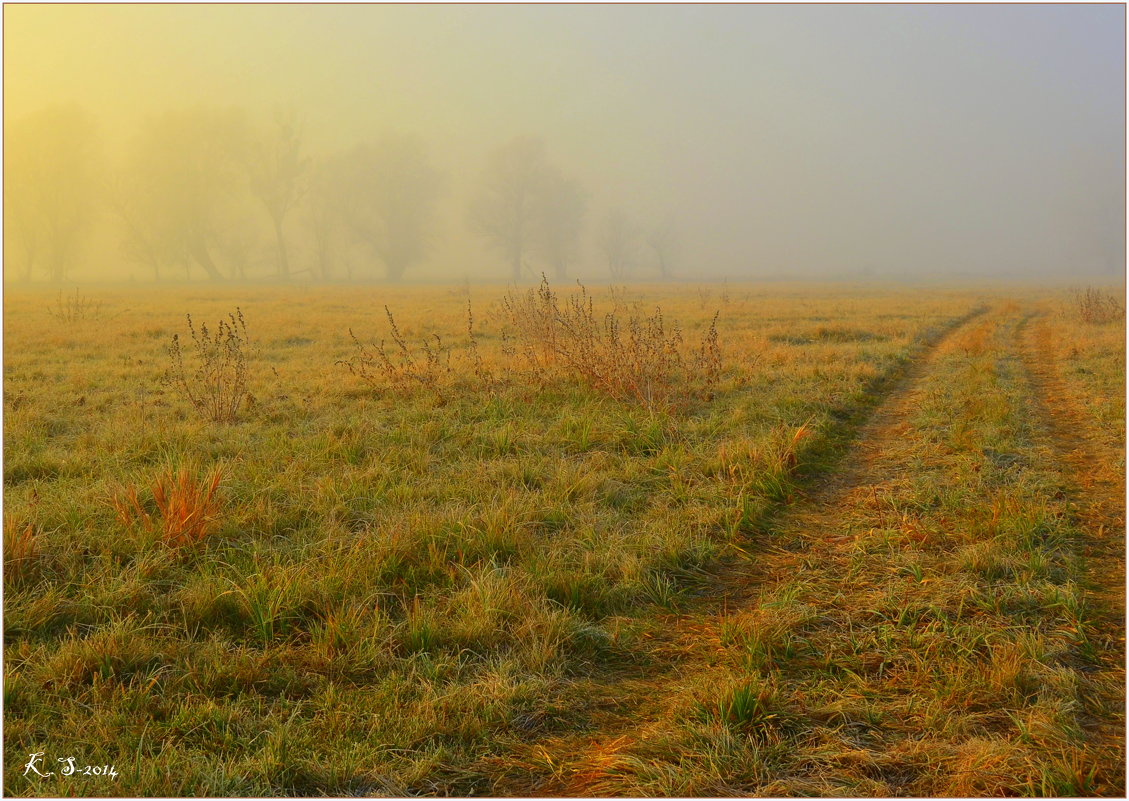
{"x":402,"y":366}
{"x":218,"y":386}
{"x":1097,"y":306}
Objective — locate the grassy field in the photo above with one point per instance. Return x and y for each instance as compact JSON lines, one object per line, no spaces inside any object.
{"x":859,"y":542}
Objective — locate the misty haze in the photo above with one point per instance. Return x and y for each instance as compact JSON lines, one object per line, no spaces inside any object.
{"x":766,"y":141}
{"x":570,"y":400}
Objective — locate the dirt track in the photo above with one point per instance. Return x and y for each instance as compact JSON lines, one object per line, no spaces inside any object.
{"x":1095,"y":488}
{"x":629,"y":711}
{"x":815,"y":537}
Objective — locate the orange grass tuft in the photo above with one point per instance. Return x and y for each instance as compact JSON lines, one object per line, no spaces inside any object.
{"x":21,"y":546}
{"x":187,"y":507}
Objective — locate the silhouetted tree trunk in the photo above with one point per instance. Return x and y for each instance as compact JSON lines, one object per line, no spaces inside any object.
{"x":385,"y":195}
{"x":503,"y":210}
{"x":58,"y":268}
{"x":283,"y":261}
{"x":395,"y":270}
{"x":323,"y":247}
{"x":199,"y":252}
{"x":31,"y":253}
{"x":616,"y":239}
{"x":277,"y":171}
{"x":663,"y":240}
{"x":559,"y":214}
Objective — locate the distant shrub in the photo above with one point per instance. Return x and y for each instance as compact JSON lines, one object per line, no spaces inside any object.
{"x":218,"y":386}
{"x":1098,"y":306}
{"x":185,"y":507}
{"x":628,"y":355}
{"x":72,"y":308}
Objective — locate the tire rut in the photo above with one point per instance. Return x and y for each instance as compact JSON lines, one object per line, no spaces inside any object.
{"x":1095,"y":490}
{"x":583,"y":764}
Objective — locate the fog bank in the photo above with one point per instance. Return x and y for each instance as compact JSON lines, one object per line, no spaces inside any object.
{"x":434,"y":143}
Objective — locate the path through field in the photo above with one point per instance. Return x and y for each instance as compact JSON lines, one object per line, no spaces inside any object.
{"x":1095,"y":487}
{"x":941,"y":615}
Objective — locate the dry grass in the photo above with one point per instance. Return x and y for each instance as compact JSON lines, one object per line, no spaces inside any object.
{"x":1099,"y":306}
{"x":73,"y":308}
{"x":405,"y":592}
{"x":626,"y":353}
{"x":621,"y":352}
{"x":428,"y":366}
{"x":21,"y":548}
{"x":187,"y":507}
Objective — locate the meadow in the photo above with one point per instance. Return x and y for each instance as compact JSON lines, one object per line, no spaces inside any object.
{"x":772,"y":539}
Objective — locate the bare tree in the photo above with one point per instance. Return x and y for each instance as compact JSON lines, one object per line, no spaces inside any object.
{"x":386,"y":195}
{"x":504,"y":210}
{"x":186,"y":167}
{"x":51,"y":162}
{"x":560,"y":204}
{"x":277,"y":172}
{"x":142,"y":240}
{"x":617,"y":239}
{"x":664,"y":243}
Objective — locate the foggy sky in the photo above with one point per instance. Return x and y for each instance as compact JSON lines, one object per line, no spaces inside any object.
{"x":784,"y":140}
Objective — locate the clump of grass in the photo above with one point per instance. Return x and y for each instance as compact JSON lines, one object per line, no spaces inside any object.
{"x":763,"y":471}
{"x":421,"y":629}
{"x":661,"y":590}
{"x":749,"y":707}
{"x":21,"y":548}
{"x":1097,"y":306}
{"x":1070,"y":776}
{"x":73,"y":308}
{"x":186,"y":507}
{"x":218,"y":386}
{"x":122,"y":650}
{"x":268,"y":600}
{"x":629,"y":356}
{"x":768,"y":640}
{"x":350,"y":628}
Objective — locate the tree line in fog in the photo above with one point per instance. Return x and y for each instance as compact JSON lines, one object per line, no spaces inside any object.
{"x":212,"y":193}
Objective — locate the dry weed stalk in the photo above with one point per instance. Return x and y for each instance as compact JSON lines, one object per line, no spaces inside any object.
{"x":481,"y":371}
{"x":429,"y":367}
{"x":1097,"y":306}
{"x":629,"y":356}
{"x":218,"y":386}
{"x":72,"y":308}
{"x":186,"y":507}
